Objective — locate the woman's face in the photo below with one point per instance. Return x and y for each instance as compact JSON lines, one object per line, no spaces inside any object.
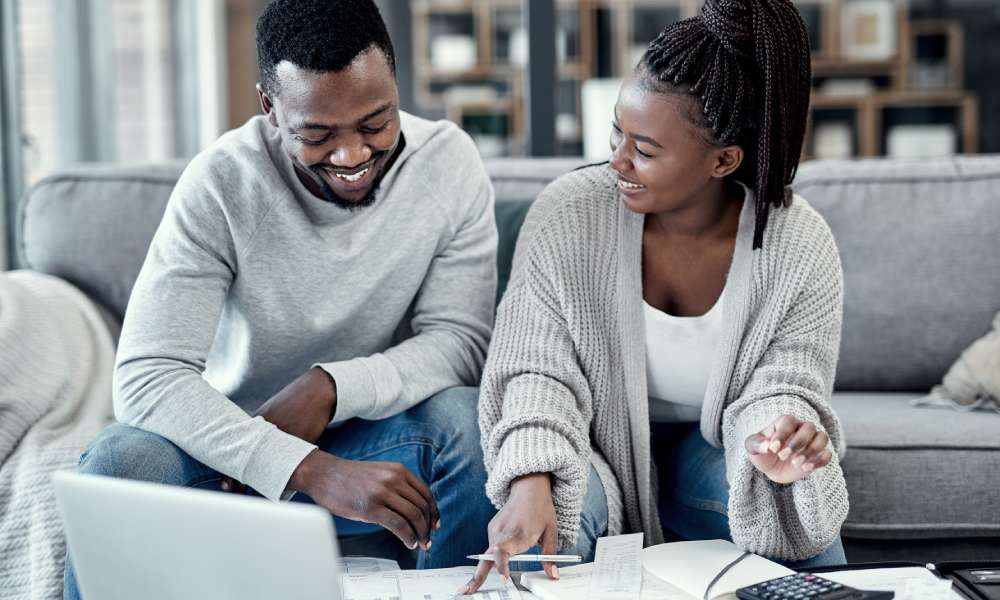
{"x":663,"y":160}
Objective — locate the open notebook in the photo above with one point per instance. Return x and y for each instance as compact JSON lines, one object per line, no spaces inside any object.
{"x":675,"y":571}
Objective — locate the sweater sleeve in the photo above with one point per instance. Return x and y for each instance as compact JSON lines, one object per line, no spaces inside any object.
{"x":169,"y":328}
{"x":794,"y":377}
{"x":535,"y":402}
{"x":452,"y":318}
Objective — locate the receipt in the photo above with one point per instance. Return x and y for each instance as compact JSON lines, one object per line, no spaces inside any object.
{"x":617,"y":571}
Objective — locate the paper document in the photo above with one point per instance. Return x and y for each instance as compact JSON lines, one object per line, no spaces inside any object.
{"x":922,"y":589}
{"x":691,"y":566}
{"x":920,"y":580}
{"x":443,"y":584}
{"x":355,"y":565}
{"x":617,"y":573}
{"x":574,"y":582}
{"x":675,"y":571}
{"x":429,"y":584}
{"x":372,"y":586}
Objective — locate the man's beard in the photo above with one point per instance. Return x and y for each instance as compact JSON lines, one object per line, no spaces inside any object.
{"x":331,"y":196}
{"x":339,"y":202}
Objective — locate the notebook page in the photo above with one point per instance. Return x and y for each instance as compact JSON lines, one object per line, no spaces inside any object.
{"x":691,"y":566}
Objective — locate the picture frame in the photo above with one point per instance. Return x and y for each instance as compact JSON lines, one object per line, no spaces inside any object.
{"x":868,"y":30}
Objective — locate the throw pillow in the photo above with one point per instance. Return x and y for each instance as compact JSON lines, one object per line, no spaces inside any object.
{"x":974,"y":380}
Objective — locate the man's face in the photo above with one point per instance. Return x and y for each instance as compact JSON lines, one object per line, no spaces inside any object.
{"x":340,"y":128}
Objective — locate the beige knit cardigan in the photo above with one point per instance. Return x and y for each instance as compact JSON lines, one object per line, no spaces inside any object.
{"x":565,"y":373}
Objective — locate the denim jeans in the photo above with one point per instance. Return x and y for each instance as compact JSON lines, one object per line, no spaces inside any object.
{"x":694,"y":495}
{"x":438,"y":440}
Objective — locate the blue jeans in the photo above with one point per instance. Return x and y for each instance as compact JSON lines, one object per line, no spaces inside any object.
{"x":438,"y":440}
{"x":694,"y":495}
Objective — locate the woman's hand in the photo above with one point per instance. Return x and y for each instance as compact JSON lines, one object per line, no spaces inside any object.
{"x":528,"y":518}
{"x":789,"y":450}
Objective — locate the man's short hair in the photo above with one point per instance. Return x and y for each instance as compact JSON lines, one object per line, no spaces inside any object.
{"x":318,"y":35}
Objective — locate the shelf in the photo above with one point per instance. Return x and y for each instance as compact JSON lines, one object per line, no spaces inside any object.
{"x":837,"y":100}
{"x":921,"y":97}
{"x":604,"y":37}
{"x":839,"y":66}
{"x":476,"y":72}
{"x":425,"y":7}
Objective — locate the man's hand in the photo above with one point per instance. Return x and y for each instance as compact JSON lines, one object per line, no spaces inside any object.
{"x":789,"y":450}
{"x":528,"y":518}
{"x":385,"y":493}
{"x":302,"y":408}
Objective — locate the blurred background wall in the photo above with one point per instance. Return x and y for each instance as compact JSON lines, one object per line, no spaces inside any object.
{"x":152,"y":80}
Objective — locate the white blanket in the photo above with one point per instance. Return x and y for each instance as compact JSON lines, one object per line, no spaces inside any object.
{"x":56,"y":362}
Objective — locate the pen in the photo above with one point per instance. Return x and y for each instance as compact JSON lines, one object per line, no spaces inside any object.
{"x":558,"y":558}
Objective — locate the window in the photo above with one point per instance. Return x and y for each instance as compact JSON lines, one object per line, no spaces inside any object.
{"x":97,"y":82}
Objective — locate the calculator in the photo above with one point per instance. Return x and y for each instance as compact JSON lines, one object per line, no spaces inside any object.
{"x":806,"y":586}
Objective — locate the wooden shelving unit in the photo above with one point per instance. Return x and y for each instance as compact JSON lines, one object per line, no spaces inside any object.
{"x":603,"y":38}
{"x":895,"y":88}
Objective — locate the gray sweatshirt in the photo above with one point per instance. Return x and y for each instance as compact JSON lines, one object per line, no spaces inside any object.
{"x":251,"y":280}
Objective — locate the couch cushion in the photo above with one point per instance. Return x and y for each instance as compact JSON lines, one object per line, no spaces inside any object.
{"x":918,"y":243}
{"x":92,"y":226}
{"x":517,"y":182}
{"x":524,"y":178}
{"x":510,"y":215}
{"x":919,"y":472}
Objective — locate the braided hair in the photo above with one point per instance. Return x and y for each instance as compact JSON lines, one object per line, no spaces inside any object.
{"x":747,"y":62}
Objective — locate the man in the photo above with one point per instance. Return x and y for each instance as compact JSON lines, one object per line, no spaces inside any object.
{"x":330,"y":267}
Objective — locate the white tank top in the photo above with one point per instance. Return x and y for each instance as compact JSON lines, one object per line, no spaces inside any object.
{"x":679,"y":353}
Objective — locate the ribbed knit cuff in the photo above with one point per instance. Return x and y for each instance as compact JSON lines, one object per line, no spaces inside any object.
{"x":758,"y":415}
{"x":539,"y":449}
{"x":355,"y":388}
{"x":785,"y":522}
{"x":273,"y":461}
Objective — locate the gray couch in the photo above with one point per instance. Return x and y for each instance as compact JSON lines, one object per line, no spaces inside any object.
{"x":919,"y":245}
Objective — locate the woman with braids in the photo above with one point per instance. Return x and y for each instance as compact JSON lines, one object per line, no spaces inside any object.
{"x":663,"y":359}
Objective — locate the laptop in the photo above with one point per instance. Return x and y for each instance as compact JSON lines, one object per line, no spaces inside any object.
{"x":131,"y":539}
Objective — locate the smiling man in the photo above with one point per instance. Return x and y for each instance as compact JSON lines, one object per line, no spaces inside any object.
{"x":320,"y":285}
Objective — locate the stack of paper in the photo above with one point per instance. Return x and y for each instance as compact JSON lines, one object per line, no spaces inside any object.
{"x":677,"y":571}
{"x":684,"y":570}
{"x":909,"y":583}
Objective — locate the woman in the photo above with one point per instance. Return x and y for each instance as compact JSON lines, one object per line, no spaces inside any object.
{"x":676,"y":308}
